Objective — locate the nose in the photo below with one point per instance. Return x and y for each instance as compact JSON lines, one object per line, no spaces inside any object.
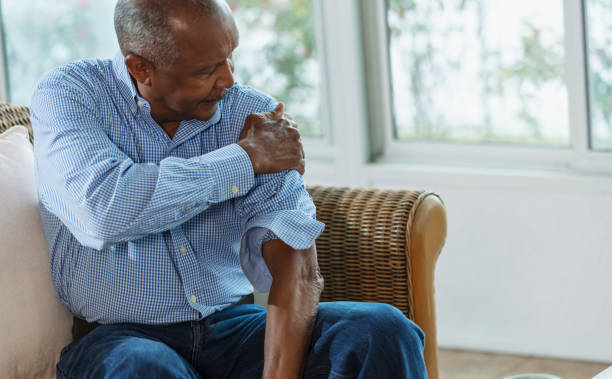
{"x":225,"y":78}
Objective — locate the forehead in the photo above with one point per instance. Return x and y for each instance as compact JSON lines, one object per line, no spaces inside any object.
{"x":205,"y":39}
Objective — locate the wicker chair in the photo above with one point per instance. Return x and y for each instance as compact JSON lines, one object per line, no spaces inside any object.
{"x":378,"y":245}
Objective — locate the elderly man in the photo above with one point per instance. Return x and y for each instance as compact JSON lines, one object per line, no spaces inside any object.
{"x":168,"y":192}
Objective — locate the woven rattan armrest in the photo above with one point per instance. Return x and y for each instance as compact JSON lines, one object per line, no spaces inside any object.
{"x":382,"y":246}
{"x":11,"y":115}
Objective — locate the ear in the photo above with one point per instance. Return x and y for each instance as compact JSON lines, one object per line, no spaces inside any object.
{"x":140,"y":68}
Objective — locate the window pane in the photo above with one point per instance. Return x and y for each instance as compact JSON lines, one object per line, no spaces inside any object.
{"x":277,"y":54}
{"x":599,"y":24}
{"x":42,"y":34}
{"x":479,"y":71}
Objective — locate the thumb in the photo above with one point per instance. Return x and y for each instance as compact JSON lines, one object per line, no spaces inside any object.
{"x":277,"y":113}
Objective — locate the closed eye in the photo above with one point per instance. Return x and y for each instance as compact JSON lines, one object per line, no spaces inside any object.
{"x":210,"y":70}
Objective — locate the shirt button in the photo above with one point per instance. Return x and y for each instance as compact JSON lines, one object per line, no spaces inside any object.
{"x":193,"y":298}
{"x":183,"y":250}
{"x":234,"y":189}
{"x":140,"y":104}
{"x":133,"y":110}
{"x":188,"y":208}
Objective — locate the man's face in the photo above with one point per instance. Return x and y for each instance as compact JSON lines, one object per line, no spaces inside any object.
{"x":192,"y":87}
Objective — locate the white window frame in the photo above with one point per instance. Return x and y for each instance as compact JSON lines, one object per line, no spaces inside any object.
{"x":341,"y":48}
{"x":3,"y":70}
{"x":321,"y":148}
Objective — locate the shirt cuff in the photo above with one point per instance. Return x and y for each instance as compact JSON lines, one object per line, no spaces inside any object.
{"x":294,"y":227}
{"x":232,"y":171}
{"x":269,"y":236}
{"x":251,"y":259}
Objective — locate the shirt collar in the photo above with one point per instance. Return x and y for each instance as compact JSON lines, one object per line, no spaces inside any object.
{"x":125,"y":83}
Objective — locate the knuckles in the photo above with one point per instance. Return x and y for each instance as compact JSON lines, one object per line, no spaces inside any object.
{"x":252,"y":118}
{"x":294,"y":133}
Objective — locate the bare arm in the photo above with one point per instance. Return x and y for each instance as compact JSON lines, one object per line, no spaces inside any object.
{"x":292,"y":308}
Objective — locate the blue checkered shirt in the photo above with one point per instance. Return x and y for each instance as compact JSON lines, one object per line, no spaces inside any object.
{"x":147,"y":229}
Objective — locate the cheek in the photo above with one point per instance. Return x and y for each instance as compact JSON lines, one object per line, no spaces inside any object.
{"x":194,"y":91}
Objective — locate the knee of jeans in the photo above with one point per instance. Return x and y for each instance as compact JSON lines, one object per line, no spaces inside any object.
{"x":147,"y":358}
{"x":387,"y":322}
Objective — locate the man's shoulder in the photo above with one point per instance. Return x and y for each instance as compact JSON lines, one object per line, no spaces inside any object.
{"x":248,"y":99}
{"x":86,"y":74}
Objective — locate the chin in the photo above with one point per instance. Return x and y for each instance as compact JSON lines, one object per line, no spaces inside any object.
{"x":205,"y":111}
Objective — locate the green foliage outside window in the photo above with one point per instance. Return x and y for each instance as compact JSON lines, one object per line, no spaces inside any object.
{"x":40,"y":35}
{"x":277,"y":55}
{"x":470,"y":71}
{"x":599,"y":43}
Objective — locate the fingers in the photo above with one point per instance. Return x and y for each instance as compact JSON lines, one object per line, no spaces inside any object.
{"x":277,"y":113}
{"x":246,"y":131}
{"x":293,"y":132}
{"x":274,"y":140}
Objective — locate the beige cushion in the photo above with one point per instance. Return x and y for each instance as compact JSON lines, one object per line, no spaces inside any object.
{"x":34,"y":326}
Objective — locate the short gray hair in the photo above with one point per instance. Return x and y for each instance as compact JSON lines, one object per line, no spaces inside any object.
{"x":143,"y":29}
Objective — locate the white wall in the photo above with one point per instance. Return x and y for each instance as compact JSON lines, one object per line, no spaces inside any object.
{"x":528,"y":272}
{"x":527,"y":267}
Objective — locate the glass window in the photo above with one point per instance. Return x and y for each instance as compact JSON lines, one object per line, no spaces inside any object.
{"x":277,"y":54}
{"x":479,"y":71}
{"x":599,"y":42}
{"x":40,"y":35}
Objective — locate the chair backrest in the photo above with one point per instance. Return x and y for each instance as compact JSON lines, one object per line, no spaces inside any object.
{"x":363,"y":252}
{"x":11,"y":115}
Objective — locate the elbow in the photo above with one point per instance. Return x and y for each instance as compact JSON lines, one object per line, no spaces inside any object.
{"x":294,"y":271}
{"x":96,"y":238}
{"x":319,"y":283}
{"x":309,"y":285}
{"x":101,"y":229}
{"x":311,"y":274}
{"x":100,"y":233}
{"x":91,"y":238}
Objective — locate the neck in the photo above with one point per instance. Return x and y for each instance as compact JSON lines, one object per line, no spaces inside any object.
{"x":164,"y":117}
{"x":159,"y":111}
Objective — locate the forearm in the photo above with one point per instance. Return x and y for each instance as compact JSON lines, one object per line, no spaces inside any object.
{"x":292,"y":309}
{"x":117,"y":200}
{"x":147,"y":199}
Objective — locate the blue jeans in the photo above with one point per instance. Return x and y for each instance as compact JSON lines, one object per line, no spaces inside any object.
{"x":350,"y":340}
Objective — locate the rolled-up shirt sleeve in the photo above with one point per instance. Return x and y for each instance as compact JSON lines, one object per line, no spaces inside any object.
{"x":278,"y":206}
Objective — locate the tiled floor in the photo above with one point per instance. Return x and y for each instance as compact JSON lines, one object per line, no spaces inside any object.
{"x":462,"y":364}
